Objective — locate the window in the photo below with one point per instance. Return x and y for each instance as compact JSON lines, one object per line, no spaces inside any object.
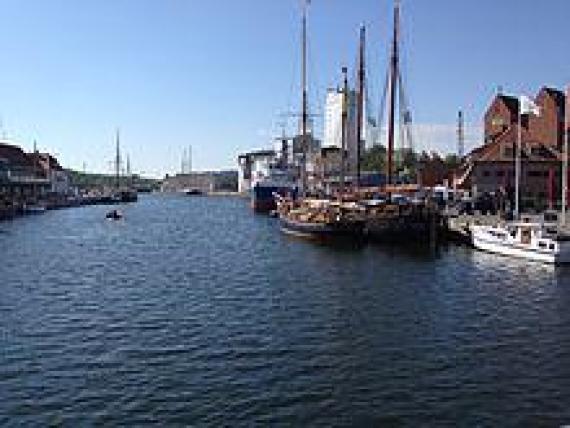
{"x":498,"y":121}
{"x":542,"y":245}
{"x":486,"y":173}
{"x":500,"y":173}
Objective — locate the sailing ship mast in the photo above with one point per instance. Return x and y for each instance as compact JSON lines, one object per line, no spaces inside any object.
{"x":360,"y":100}
{"x":394,"y":72}
{"x":565,"y":159}
{"x":117,"y":162}
{"x":304,"y":100}
{"x":129,"y":174}
{"x":344,"y":129}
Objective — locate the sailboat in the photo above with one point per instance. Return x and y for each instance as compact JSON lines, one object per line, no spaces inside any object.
{"x":321,"y":219}
{"x":527,"y":239}
{"x":129,"y":193}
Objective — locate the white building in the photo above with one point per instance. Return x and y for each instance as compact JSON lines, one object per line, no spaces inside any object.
{"x":333,"y":126}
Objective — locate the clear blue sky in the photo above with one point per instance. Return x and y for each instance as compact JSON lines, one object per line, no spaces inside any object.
{"x":216,"y":74}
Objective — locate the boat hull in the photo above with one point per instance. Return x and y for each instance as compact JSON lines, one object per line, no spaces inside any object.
{"x":481,"y":241}
{"x":128,"y":196}
{"x":263,"y":197}
{"x":34,"y":210}
{"x":322,"y":231}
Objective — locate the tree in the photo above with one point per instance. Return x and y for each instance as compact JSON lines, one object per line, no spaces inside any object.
{"x":452,"y":161}
{"x":374,"y":158}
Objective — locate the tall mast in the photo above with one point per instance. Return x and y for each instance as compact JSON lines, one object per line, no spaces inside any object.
{"x":183,"y":162}
{"x":360,"y":112}
{"x":565,"y":160}
{"x":394,"y":59}
{"x":190,"y":159}
{"x":518,"y":161}
{"x":117,"y":161}
{"x":343,"y":128}
{"x":304,"y":107}
{"x":129,"y":175}
{"x":460,"y":134}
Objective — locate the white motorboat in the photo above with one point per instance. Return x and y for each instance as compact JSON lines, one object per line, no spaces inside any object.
{"x":528,"y":240}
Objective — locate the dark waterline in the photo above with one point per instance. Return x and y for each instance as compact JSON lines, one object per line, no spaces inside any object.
{"x":193,"y":311}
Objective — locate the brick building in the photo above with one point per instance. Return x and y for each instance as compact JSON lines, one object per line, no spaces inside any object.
{"x":22,"y":181}
{"x":491,"y":167}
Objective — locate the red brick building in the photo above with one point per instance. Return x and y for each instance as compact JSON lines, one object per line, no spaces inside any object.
{"x":491,"y":167}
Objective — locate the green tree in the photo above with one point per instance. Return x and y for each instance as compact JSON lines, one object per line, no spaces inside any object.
{"x":452,"y":161}
{"x":374,"y":159}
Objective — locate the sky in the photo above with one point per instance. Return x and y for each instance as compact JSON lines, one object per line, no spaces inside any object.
{"x":221,"y":75}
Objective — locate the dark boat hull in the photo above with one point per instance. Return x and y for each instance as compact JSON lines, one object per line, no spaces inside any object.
{"x":263,"y":197}
{"x":128,"y":196}
{"x":322,"y":231}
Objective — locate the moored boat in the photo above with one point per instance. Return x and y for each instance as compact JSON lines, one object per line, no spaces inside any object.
{"x":321,"y":219}
{"x":322,"y":230}
{"x":193,"y":192}
{"x":34,"y":209}
{"x":128,"y":195}
{"x":264,"y":191}
{"x":528,"y":240}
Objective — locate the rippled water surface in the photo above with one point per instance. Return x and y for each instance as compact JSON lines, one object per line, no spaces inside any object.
{"x":193,"y":311}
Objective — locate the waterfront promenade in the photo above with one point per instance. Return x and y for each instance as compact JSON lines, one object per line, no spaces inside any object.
{"x":192,"y":311}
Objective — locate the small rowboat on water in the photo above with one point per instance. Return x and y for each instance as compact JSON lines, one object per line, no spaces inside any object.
{"x":114,"y":215}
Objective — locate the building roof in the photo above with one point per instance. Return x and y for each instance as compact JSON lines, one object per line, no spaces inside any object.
{"x":557,"y":95}
{"x":259,"y":153}
{"x":511,"y":102}
{"x":14,"y":155}
{"x":44,"y":158}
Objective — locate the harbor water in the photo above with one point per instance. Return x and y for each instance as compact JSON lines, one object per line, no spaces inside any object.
{"x":195,"y":312}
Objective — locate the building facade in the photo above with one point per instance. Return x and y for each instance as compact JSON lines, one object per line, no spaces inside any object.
{"x":22,"y":181}
{"x":491,"y":167}
{"x":203,"y":181}
{"x":252,"y":166}
{"x":333,"y":125}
